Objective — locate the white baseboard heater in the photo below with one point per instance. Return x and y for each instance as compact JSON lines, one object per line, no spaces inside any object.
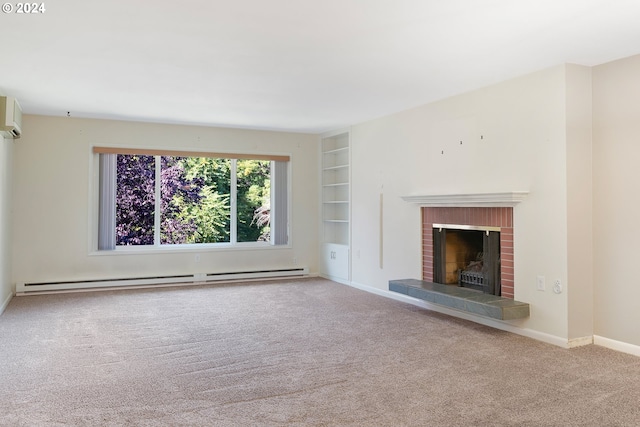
{"x":156,"y":281}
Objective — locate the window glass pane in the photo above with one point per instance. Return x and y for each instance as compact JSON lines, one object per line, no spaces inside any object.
{"x":253,"y":200}
{"x":192,"y":198}
{"x":135,"y":198}
{"x":195,"y":200}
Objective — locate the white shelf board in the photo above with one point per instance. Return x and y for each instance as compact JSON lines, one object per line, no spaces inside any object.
{"x":331,"y":168}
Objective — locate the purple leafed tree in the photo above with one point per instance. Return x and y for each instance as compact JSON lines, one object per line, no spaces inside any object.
{"x":176,"y":192}
{"x":135,"y":200}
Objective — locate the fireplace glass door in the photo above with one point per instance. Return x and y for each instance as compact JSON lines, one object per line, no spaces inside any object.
{"x":468,"y":257}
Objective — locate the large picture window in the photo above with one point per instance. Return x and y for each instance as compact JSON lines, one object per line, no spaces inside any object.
{"x":177,"y":198}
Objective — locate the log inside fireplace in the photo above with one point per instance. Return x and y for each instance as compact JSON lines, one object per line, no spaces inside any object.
{"x":467,"y":256}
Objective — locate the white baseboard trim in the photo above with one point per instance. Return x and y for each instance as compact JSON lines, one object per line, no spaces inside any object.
{"x":505,"y":326}
{"x":579,"y":342}
{"x":617,"y":345}
{"x":334,"y":279}
{"x":5,"y":303}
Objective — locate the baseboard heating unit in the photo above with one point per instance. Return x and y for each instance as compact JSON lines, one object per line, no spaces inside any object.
{"x":147,"y":282}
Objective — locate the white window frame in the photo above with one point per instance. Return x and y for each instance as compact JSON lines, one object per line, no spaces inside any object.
{"x":232,"y":244}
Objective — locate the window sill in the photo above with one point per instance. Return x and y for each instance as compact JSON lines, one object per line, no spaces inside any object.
{"x":188,"y":248}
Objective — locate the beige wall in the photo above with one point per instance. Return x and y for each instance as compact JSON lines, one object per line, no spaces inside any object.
{"x":514,"y":137}
{"x":579,"y":202}
{"x":6,"y":288}
{"x":616,"y":199}
{"x":54,"y":200}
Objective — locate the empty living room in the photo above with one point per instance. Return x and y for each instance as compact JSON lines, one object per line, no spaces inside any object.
{"x":296,"y":213}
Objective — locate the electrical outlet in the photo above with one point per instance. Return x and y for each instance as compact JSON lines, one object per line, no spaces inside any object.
{"x":197,"y":258}
{"x":540,"y":283}
{"x":557,"y":286}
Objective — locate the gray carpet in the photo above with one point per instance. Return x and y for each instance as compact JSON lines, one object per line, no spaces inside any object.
{"x":293,"y":353}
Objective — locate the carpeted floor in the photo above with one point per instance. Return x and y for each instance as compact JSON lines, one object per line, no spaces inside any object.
{"x":295,"y":353}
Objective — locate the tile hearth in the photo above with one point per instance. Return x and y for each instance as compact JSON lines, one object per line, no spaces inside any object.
{"x":462,"y":299}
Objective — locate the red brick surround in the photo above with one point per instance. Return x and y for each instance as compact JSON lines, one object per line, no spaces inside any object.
{"x":490,"y":217}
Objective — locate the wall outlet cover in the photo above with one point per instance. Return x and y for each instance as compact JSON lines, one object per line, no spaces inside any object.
{"x":557,"y":286}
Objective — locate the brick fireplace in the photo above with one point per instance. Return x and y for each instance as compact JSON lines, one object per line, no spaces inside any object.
{"x":494,"y":217}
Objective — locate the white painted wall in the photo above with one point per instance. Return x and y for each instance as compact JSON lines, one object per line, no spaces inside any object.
{"x":6,"y":288}
{"x":579,"y":287}
{"x":616,"y":199}
{"x":54,"y":197}
{"x":514,"y":137}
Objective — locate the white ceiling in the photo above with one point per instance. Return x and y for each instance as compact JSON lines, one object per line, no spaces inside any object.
{"x":293,"y":65}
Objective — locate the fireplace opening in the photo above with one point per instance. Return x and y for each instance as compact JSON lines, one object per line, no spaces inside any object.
{"x":467,"y":256}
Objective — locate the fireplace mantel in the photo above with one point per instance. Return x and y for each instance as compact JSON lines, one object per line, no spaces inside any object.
{"x":506,"y":199}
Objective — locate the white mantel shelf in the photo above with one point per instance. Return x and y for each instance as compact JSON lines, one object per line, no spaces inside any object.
{"x":506,"y":199}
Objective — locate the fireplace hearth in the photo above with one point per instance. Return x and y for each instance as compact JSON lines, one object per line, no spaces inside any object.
{"x":488,"y":214}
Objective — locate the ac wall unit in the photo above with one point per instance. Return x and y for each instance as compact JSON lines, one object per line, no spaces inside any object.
{"x":10,"y":116}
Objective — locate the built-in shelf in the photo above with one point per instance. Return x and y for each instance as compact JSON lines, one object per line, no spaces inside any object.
{"x":336,"y":196}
